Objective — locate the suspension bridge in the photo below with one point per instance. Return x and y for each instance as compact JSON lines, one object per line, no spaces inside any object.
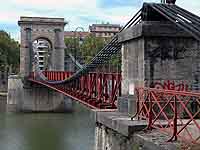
{"x":160,"y":34}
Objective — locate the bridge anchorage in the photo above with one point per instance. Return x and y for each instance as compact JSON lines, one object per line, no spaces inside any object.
{"x":160,"y":70}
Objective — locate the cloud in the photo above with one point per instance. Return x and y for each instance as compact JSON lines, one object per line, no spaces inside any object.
{"x":7,"y":16}
{"x":192,"y":6}
{"x":118,"y":3}
{"x":78,"y":12}
{"x":56,"y":4}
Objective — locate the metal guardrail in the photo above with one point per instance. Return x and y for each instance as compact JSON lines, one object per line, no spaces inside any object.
{"x":174,"y":112}
{"x":96,"y":90}
{"x":102,"y":56}
{"x":179,"y":16}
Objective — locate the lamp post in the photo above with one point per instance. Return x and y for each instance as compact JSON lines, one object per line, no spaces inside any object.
{"x":78,"y":28}
{"x":163,"y":1}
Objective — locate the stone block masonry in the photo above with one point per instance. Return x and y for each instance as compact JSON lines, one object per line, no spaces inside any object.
{"x":115,"y":131}
{"x":34,"y":98}
{"x":26,"y":96}
{"x":51,"y":29}
{"x":160,"y":55}
{"x":154,"y":54}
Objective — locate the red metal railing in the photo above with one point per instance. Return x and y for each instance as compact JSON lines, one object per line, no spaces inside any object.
{"x":98,"y":90}
{"x":174,"y":112}
{"x":57,"y":75}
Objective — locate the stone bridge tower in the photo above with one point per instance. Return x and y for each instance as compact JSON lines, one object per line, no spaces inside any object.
{"x":23,"y":95}
{"x":50,"y":29}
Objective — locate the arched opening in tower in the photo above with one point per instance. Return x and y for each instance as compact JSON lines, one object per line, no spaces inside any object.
{"x":42,"y":49}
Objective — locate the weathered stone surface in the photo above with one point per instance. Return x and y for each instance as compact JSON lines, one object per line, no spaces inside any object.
{"x":32,"y":97}
{"x":120,"y":122}
{"x":35,"y":98}
{"x":154,"y":54}
{"x":51,"y":29}
{"x":115,"y":131}
{"x":161,"y":55}
{"x":152,"y":29}
{"x":122,"y":104}
{"x":15,"y":93}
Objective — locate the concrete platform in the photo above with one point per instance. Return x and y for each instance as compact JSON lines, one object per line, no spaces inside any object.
{"x":122,"y":124}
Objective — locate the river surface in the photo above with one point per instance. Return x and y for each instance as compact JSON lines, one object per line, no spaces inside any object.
{"x":43,"y":131}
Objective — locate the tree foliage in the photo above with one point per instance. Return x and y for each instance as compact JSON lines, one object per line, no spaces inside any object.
{"x":89,"y":48}
{"x":9,"y":52}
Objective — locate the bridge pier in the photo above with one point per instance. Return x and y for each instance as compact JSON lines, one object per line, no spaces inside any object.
{"x":157,"y":55}
{"x":34,"y":98}
{"x":154,"y":54}
{"x":29,"y":97}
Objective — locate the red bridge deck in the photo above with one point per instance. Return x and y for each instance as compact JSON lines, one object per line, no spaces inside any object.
{"x":95,"y":90}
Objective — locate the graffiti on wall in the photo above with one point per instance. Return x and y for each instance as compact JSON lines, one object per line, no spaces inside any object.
{"x":171,"y":85}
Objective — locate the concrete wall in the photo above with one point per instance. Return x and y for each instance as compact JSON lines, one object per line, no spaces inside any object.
{"x":32,"y":97}
{"x":35,"y":98}
{"x":108,"y":139}
{"x":157,"y":54}
{"x":132,"y":65}
{"x":173,"y":64}
{"x":51,"y":29}
{"x":116,"y":131}
{"x":15,"y":93}
{"x":42,"y":99}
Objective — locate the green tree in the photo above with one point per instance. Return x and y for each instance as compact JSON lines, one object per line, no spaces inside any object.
{"x":9,"y":52}
{"x":89,"y":48}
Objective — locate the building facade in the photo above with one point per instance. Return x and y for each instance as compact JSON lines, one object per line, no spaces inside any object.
{"x":41,"y":48}
{"x":72,"y":34}
{"x":104,"y":30}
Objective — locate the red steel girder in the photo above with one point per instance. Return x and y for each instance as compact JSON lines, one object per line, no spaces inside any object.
{"x":95,"y":89}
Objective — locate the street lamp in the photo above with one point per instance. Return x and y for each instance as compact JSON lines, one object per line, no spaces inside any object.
{"x":79,"y":42}
{"x":163,"y":1}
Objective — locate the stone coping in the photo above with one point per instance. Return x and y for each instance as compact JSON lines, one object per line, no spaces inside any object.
{"x":146,"y":139}
{"x":120,"y":122}
{"x":152,"y":29}
{"x":41,"y":20}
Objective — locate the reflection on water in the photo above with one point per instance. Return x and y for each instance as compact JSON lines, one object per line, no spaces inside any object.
{"x":73,"y":131}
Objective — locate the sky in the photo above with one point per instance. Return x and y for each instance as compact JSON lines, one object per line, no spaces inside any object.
{"x":78,"y":13}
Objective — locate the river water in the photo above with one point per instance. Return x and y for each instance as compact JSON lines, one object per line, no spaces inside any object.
{"x":43,"y":131}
